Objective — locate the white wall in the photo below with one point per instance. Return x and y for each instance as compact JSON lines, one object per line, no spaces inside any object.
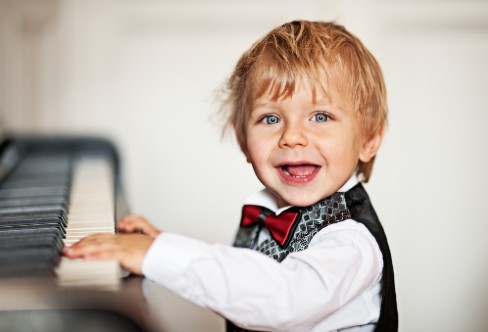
{"x":144,"y":73}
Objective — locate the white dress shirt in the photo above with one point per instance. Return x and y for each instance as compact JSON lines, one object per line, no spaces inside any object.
{"x":332,"y":285}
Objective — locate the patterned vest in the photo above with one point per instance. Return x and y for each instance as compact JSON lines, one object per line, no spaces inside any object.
{"x":353,"y":204}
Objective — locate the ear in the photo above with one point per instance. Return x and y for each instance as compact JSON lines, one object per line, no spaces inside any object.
{"x":246,"y":153}
{"x":371,"y":146}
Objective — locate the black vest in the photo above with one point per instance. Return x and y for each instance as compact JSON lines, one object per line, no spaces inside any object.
{"x":353,"y":204}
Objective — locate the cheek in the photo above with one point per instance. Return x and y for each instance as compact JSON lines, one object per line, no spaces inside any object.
{"x":257,"y":155}
{"x":341,"y":150}
{"x":254,"y":151}
{"x":258,"y":158}
{"x":260,"y":154}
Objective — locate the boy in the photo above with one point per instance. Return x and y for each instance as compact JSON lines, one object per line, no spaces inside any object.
{"x":308,"y":105}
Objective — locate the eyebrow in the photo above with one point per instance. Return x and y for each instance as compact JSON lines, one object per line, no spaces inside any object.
{"x":261,"y":102}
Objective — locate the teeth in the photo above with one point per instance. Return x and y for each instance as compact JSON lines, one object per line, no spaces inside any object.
{"x":285,"y":170}
{"x":299,"y":171}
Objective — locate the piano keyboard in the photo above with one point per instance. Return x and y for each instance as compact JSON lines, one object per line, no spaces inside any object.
{"x":55,"y":194}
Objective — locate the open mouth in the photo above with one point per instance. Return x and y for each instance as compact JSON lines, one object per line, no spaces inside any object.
{"x":298,"y":173}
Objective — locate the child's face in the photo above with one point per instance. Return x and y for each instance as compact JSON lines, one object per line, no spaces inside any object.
{"x":304,"y":151}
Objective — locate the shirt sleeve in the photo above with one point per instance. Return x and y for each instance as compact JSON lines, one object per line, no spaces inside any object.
{"x":307,"y":289}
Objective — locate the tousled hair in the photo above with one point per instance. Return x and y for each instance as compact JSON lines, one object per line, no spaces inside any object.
{"x":321,"y":52}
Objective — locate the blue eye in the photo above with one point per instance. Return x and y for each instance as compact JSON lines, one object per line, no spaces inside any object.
{"x":321,"y":117}
{"x":271,"y":119}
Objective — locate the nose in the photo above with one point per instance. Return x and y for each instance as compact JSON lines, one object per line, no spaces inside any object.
{"x":293,"y":135}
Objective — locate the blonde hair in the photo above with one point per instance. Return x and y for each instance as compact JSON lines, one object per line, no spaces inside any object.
{"x":318,"y":51}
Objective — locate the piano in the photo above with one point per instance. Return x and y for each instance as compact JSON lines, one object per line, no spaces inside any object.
{"x":53,"y":191}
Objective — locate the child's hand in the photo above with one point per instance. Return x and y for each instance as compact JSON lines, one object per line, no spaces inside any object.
{"x":131,"y":224}
{"x":128,"y":249}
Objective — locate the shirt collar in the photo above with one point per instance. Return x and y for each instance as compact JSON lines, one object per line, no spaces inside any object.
{"x":267,"y":199}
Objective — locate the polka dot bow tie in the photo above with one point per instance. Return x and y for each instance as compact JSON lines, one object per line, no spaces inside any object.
{"x":280,"y":226}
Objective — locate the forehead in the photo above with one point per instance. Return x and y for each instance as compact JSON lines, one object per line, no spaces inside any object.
{"x":271,"y":84}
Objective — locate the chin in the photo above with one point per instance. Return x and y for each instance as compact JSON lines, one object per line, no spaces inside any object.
{"x":301,"y":201}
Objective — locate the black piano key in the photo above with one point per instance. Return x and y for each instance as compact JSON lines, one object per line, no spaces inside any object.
{"x":19,"y":255}
{"x":30,"y":242}
{"x":35,"y":239}
{"x":35,"y":180}
{"x":33,"y":194}
{"x":17,"y":202}
{"x":56,"y":208}
{"x":35,"y":217}
{"x":54,"y":228}
{"x":31,"y":262}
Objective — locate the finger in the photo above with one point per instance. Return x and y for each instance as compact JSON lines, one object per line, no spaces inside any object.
{"x":95,"y":238}
{"x":104,"y":254}
{"x":129,"y":251}
{"x":135,"y":223}
{"x":90,"y":245}
{"x":118,"y":255}
{"x":131,"y":218}
{"x":84,"y":250}
{"x":130,"y":223}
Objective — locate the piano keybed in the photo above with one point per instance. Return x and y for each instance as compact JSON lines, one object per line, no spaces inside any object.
{"x":54,"y":194}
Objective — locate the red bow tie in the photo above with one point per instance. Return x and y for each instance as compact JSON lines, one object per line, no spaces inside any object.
{"x":280,"y":227}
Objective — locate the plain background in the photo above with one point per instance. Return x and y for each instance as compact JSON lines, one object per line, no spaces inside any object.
{"x":145,"y":74}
